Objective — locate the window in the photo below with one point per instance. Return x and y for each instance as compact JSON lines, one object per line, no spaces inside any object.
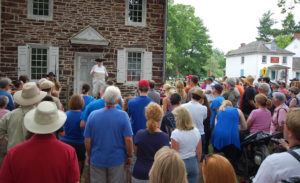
{"x":242,"y":72}
{"x":298,"y":75}
{"x":136,"y":12}
{"x":39,"y":62}
{"x":134,"y":66}
{"x":40,"y":9}
{"x":284,"y":60}
{"x":242,"y":60}
{"x":273,"y":75}
{"x":264,"y":59}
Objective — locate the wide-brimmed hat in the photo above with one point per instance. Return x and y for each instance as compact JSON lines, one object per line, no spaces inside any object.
{"x":249,"y":80}
{"x":276,"y":83}
{"x":198,"y":92}
{"x":51,"y":73}
{"x":99,"y":59}
{"x":29,"y":95}
{"x":46,"y":84}
{"x":44,"y":119}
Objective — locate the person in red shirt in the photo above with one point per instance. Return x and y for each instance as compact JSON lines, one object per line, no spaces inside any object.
{"x":189,"y":86}
{"x":42,"y":158}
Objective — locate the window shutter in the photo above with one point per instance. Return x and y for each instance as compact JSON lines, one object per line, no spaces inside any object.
{"x":53,"y":61}
{"x":147,"y":65}
{"x":121,"y":66}
{"x":23,"y":63}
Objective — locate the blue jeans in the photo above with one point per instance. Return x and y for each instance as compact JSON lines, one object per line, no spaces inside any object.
{"x":192,"y":169}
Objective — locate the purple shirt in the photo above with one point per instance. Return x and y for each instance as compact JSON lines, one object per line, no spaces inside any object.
{"x":2,"y":112}
{"x":261,"y":120}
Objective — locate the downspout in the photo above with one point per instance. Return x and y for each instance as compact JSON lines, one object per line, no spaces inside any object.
{"x":165,"y":41}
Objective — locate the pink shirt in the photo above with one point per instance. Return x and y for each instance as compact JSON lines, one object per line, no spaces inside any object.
{"x":283,"y":91}
{"x":2,"y":112}
{"x":282,"y":109}
{"x":261,"y":120}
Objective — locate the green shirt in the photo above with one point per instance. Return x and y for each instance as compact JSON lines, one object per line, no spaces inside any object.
{"x":12,"y":124}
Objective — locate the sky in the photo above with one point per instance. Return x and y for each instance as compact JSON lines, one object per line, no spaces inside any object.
{"x":232,"y":22}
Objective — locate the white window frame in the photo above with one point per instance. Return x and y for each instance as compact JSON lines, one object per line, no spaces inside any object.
{"x":141,"y":50}
{"x":38,"y":46}
{"x":264,"y":61}
{"x":30,"y":14}
{"x":144,"y":15}
{"x":285,"y":60}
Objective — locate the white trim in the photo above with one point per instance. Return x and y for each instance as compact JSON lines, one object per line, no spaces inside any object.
{"x":144,"y":15}
{"x":89,"y":36}
{"x":30,"y":14}
{"x":89,"y":42}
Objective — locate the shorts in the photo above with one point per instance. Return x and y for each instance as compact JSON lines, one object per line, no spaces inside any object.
{"x":79,"y":148}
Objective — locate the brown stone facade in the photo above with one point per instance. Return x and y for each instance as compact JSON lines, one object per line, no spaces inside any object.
{"x":71,"y":16}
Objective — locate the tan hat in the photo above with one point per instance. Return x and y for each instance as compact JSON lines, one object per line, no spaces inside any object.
{"x":46,"y":84}
{"x":29,"y":95}
{"x":167,"y":87}
{"x":249,"y":80}
{"x":198,"y":92}
{"x":44,"y":119}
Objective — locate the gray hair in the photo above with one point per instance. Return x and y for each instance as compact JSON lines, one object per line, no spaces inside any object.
{"x":111,"y":95}
{"x":3,"y":101}
{"x":279,"y":97}
{"x":264,"y":86}
{"x":231,"y":81}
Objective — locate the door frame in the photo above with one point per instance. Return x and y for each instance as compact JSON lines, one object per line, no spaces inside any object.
{"x":78,"y":55}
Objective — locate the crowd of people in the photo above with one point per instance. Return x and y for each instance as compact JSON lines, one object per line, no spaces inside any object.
{"x":161,"y":136}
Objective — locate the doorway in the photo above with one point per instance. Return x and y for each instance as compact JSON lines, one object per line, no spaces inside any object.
{"x":83,"y":65}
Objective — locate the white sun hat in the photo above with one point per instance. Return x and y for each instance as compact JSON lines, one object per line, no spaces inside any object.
{"x":29,"y":95}
{"x":44,"y":119}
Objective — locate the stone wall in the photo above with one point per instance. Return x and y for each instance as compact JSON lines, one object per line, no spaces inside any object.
{"x":71,"y":16}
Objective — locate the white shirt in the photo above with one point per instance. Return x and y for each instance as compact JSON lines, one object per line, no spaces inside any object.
{"x":100,"y":72}
{"x":210,"y":97}
{"x":277,"y":167}
{"x":188,"y":141}
{"x":199,"y":114}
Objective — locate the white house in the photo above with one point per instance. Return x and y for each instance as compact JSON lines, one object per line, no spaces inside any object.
{"x":294,"y":47}
{"x":250,"y":59}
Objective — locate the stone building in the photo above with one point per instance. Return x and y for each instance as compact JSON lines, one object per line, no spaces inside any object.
{"x":65,"y":37}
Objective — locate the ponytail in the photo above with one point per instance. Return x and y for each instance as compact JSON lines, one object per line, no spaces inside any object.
{"x":269,"y":103}
{"x":151,"y":126}
{"x":225,"y":103}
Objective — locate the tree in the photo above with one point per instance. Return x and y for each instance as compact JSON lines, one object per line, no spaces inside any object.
{"x":287,"y":5}
{"x":216,"y":63}
{"x":188,"y":44}
{"x":265,"y":31}
{"x":283,"y":41}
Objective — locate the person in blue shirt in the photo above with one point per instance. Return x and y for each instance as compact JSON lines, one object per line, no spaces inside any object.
{"x":108,"y":140}
{"x":73,"y":132}
{"x":95,"y":105}
{"x":216,"y":103}
{"x":136,"y":107}
{"x":4,"y":87}
{"x":85,"y":89}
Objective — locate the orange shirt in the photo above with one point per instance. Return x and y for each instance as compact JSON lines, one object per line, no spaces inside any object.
{"x":187,"y":89}
{"x":241,"y":91}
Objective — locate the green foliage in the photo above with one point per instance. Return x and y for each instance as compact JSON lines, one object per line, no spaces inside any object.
{"x":265,"y":31}
{"x":188,"y":44}
{"x":283,"y":41}
{"x":216,"y":63}
{"x":287,"y":5}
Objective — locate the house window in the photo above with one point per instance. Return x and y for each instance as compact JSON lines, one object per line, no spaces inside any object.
{"x":134,"y":66}
{"x":284,"y":60}
{"x":39,"y":62}
{"x":136,"y":12}
{"x":264,"y":59}
{"x":298,"y":75}
{"x":273,"y":75}
{"x":242,"y":60}
{"x":40,"y":9}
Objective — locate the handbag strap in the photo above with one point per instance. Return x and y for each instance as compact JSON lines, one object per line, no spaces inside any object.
{"x":294,"y":154}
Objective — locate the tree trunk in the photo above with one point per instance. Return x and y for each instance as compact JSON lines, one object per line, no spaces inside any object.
{"x":177,"y":71}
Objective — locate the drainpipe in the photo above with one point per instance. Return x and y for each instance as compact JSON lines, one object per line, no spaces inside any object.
{"x":165,"y":41}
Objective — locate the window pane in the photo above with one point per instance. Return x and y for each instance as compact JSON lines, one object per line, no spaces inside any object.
{"x":44,"y":70}
{"x":39,"y":57}
{"x":44,"y":57}
{"x":45,"y":64}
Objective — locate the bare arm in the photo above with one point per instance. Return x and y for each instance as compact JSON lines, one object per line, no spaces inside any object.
{"x":82,"y":123}
{"x":165,"y":105}
{"x":128,"y":144}
{"x":249,"y":123}
{"x":243,"y":124}
{"x":293,"y":103}
{"x":174,"y":145}
{"x":88,"y":149}
{"x":135,"y":150}
{"x":252,"y":103}
{"x":199,"y":150}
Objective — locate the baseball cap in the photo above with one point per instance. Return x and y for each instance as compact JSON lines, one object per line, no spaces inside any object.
{"x":143,"y":82}
{"x":218,"y":87}
{"x":210,"y":79}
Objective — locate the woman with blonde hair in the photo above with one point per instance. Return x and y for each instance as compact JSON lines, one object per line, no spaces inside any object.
{"x":147,"y":142}
{"x":180,"y":90}
{"x":260,"y":119}
{"x":168,"y":167}
{"x":216,"y":169}
{"x":225,"y":137}
{"x":186,"y":140}
{"x":167,"y":106}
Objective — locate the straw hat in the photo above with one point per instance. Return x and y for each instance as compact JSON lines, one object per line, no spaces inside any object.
{"x":46,"y":84}
{"x":44,"y":119}
{"x":29,"y":95}
{"x":249,"y":80}
{"x":198,"y":92}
